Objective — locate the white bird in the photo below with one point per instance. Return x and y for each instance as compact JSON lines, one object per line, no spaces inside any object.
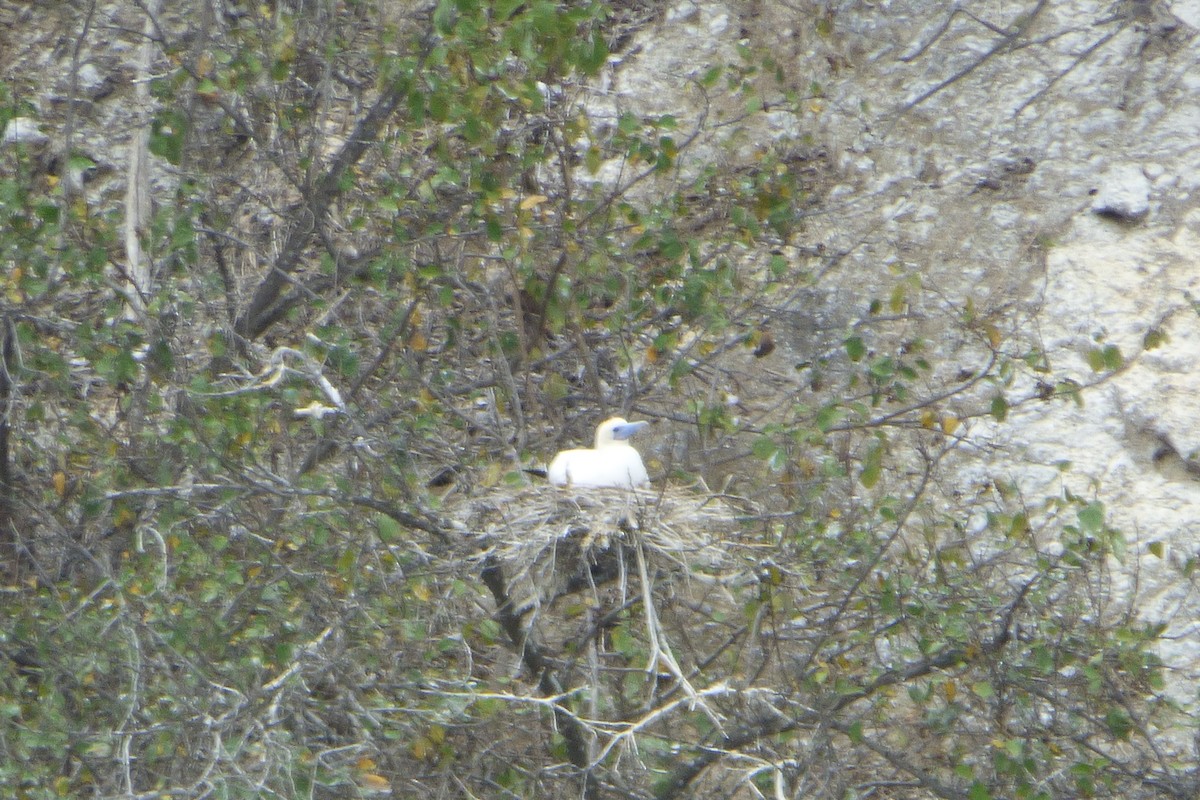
{"x":612,"y":462}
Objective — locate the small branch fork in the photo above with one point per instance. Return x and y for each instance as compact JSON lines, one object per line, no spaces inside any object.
{"x":1008,"y":40}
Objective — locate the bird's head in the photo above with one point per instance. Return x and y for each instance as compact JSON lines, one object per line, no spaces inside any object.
{"x":615,"y":430}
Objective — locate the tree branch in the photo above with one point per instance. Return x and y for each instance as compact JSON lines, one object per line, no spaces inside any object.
{"x":319,"y":197}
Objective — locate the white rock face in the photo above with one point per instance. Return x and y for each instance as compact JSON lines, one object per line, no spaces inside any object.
{"x":1124,"y":193}
{"x":23,"y":130}
{"x":1139,"y":432}
{"x":990,"y":171}
{"x":90,"y":80}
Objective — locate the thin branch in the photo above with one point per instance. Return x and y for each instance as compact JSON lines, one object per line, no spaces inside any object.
{"x":1007,"y":42}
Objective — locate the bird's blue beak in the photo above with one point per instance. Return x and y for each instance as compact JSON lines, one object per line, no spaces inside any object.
{"x":628,"y":429}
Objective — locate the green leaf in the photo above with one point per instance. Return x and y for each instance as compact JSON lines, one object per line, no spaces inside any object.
{"x":778,"y":266}
{"x":872,"y":465}
{"x":1091,"y":517}
{"x":764,"y":447}
{"x":978,"y":792}
{"x":416,"y":107}
{"x":670,"y":245}
{"x":118,"y":366}
{"x":167,"y":133}
{"x":389,"y":529}
{"x":829,"y":416}
{"x":594,"y":55}
{"x":208,"y":88}
{"x":439,"y":105}
{"x":78,"y":163}
{"x":1118,"y":722}
{"x":855,"y":348}
{"x":593,"y":159}
{"x":882,"y":369}
{"x":1155,"y":338}
{"x":1105,"y":359}
{"x":1113,"y":360}
{"x":443,"y":17}
{"x":48,"y":212}
{"x":503,"y":9}
{"x":495,"y":231}
{"x":999,"y":408}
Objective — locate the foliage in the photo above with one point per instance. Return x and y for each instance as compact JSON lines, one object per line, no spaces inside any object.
{"x":424,"y":236}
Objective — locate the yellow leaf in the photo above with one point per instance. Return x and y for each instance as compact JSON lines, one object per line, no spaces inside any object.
{"x":366,"y":764}
{"x":533,"y":201}
{"x":950,"y":690}
{"x":492,"y":475}
{"x":950,"y":424}
{"x":418,"y":343}
{"x":927,"y":418}
{"x":60,"y":483}
{"x":375,"y":783}
{"x":993,"y":334}
{"x":421,"y":591}
{"x":420,"y":749}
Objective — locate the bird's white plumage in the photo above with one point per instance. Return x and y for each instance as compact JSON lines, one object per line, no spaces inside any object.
{"x":611,"y":463}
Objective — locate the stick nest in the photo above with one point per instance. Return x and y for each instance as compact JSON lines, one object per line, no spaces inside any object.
{"x":557,"y":541}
